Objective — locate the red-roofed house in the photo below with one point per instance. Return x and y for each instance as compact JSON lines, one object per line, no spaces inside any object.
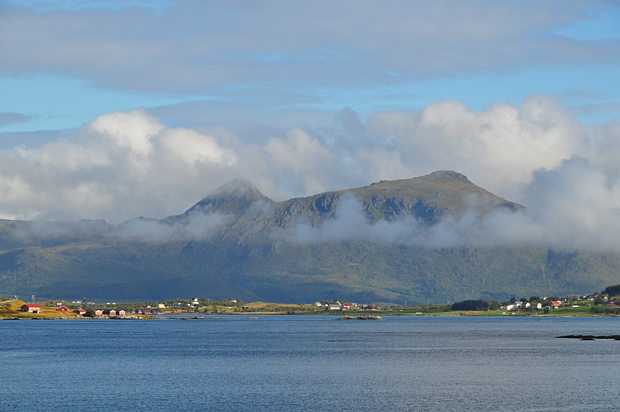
{"x":62,"y":309}
{"x":31,"y":307}
{"x":555,"y":304}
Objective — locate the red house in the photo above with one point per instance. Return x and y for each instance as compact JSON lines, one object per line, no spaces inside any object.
{"x":31,"y":307}
{"x":555,"y":304}
{"x":62,"y":309}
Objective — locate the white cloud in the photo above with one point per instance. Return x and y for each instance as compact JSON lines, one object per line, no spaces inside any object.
{"x":193,"y":147}
{"x":133,"y":129}
{"x":298,"y":151}
{"x":192,"y":46}
{"x":128,"y":164}
{"x":302,"y":155}
{"x":497,"y":148}
{"x":117,"y":167}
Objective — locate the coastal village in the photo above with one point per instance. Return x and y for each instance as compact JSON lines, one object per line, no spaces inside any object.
{"x":595,"y":304}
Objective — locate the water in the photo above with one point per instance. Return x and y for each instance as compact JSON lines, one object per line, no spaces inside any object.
{"x":293,"y":363}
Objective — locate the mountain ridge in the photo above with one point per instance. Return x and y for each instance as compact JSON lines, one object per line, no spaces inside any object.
{"x":236,"y":242}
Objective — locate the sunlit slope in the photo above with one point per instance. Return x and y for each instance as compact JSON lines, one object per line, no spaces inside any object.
{"x":426,"y":198}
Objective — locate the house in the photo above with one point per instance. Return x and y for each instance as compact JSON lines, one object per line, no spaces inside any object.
{"x":62,"y":309}
{"x":121,"y":312}
{"x":98,"y":312}
{"x":555,"y":304}
{"x":149,"y":311}
{"x":334,"y":306}
{"x":31,"y":308}
{"x":346,"y":306}
{"x":79,"y":311}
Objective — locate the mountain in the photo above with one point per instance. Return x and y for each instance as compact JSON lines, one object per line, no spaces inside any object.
{"x":426,"y":198}
{"x":236,"y":197}
{"x":350,"y":244}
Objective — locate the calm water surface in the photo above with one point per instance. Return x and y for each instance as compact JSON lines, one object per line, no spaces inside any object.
{"x":295,"y":363}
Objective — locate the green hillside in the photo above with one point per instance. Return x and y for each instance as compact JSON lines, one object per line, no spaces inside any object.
{"x":251,"y":255}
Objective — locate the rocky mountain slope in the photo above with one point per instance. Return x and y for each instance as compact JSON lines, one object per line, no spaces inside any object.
{"x":238,"y":243}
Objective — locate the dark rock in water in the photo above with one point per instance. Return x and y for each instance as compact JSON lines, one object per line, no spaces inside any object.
{"x":589,"y":337}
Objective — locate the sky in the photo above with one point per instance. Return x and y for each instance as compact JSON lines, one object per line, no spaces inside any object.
{"x":118,"y":109}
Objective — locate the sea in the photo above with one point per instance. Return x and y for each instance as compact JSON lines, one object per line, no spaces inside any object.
{"x":310,"y":363}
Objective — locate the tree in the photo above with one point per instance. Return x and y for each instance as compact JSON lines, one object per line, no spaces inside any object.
{"x":612,"y":290}
{"x":475,"y":305}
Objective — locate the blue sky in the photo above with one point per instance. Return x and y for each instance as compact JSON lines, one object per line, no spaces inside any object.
{"x":116,"y":109}
{"x":568,"y":49}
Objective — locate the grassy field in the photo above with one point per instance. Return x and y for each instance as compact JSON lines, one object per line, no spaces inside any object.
{"x":12,"y":310}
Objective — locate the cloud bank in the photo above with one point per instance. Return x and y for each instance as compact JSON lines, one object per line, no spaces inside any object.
{"x":169,"y":49}
{"x":123,"y":165}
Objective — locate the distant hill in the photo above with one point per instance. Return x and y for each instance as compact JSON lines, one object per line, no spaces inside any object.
{"x":238,"y":243}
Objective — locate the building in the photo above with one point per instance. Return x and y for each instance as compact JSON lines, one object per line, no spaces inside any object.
{"x":149,"y":311}
{"x":62,"y":309}
{"x":31,"y":308}
{"x":334,"y":306}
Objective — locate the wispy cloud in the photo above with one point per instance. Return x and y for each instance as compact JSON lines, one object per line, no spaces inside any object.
{"x":190,"y":47}
{"x":7,"y":118}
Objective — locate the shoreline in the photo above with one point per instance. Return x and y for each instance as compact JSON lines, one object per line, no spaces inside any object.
{"x":254,"y":315}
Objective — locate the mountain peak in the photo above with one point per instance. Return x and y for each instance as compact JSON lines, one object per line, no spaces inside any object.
{"x":238,"y":187}
{"x":447,"y":175}
{"x":233,"y":197}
